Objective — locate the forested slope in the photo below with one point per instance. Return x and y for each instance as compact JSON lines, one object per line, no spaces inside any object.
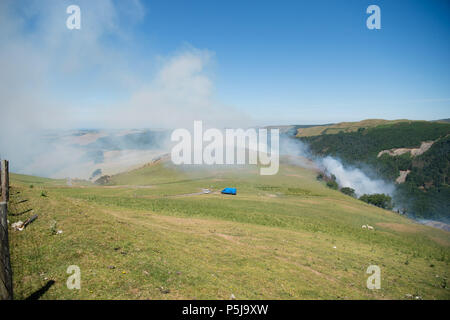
{"x":425,"y":192}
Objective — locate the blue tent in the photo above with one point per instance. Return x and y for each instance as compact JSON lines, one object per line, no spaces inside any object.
{"x":229,"y":191}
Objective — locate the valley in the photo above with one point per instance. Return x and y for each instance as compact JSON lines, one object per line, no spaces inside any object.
{"x":146,"y":235}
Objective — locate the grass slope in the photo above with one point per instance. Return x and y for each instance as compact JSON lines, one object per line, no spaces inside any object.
{"x":144,"y":237}
{"x":344,"y":127}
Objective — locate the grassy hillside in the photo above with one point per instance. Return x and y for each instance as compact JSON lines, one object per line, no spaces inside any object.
{"x":426,"y":191}
{"x":343,"y":127}
{"x":148,"y":235}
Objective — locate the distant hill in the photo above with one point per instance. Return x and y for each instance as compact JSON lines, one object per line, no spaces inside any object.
{"x":443,"y":120}
{"x":293,"y":129}
{"x":415,"y":153}
{"x":343,"y":127}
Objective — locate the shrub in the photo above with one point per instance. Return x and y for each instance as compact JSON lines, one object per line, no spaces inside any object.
{"x":53,"y":228}
{"x":332,"y":184}
{"x":348,"y":191}
{"x":378,"y":199}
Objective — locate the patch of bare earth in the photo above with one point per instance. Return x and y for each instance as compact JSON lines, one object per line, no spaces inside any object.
{"x":441,"y":241}
{"x":414,"y":151}
{"x":402,"y":177}
{"x":228,"y":237}
{"x":399,"y":227}
{"x":128,"y":186}
{"x":308,"y":268}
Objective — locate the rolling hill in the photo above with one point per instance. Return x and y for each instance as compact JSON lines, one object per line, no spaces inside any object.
{"x":343,"y":127}
{"x":152,"y":233}
{"x":415,"y":154}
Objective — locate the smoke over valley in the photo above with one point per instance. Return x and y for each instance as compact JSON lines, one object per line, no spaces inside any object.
{"x":346,"y":176}
{"x":54,"y":81}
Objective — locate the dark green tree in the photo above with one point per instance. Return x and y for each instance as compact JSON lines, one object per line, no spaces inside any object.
{"x":378,"y":199}
{"x":332,"y":184}
{"x":348,"y":191}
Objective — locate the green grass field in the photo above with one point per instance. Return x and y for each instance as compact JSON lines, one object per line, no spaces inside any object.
{"x":145,"y":236}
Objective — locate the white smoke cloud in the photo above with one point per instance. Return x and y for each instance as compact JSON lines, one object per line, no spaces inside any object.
{"x":355,"y":178}
{"x":53,"y":78}
{"x":346,"y":176}
{"x":181,"y":92}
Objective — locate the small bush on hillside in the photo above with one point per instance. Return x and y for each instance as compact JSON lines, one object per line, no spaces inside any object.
{"x":53,"y":228}
{"x":348,"y":191}
{"x":378,"y":199}
{"x":332,"y":185}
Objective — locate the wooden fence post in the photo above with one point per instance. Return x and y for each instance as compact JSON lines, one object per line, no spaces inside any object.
{"x":6,"y":288}
{"x":5,"y":180}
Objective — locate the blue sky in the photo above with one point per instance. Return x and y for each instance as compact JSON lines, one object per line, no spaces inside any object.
{"x":292,"y":59}
{"x":272,"y":62}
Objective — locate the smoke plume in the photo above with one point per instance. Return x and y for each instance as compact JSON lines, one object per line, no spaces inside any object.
{"x":346,"y":176}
